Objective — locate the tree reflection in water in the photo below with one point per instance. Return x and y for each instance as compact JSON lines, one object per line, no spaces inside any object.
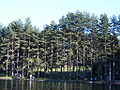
{"x":38,"y":85}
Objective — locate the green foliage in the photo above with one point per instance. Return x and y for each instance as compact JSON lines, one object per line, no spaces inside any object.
{"x":77,"y":42}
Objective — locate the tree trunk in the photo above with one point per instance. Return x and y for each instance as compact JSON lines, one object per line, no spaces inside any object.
{"x":61,"y":68}
{"x":7,"y":63}
{"x":113,"y":68}
{"x":17,"y":60}
{"x":84,"y":67}
{"x":12,"y":73}
{"x":77,"y":57}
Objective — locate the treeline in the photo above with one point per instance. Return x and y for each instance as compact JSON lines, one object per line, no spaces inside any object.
{"x":79,"y":42}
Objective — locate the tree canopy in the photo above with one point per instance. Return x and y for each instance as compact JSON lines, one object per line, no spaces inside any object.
{"x":79,"y":42}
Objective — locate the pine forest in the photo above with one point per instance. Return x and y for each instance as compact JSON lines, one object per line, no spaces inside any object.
{"x":81,"y":46}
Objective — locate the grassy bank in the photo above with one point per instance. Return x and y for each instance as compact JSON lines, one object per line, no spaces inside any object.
{"x":11,"y":78}
{"x":6,"y":78}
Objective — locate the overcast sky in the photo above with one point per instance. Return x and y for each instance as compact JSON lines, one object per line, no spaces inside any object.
{"x":42,"y":12}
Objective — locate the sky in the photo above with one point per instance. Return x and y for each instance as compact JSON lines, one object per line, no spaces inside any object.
{"x":42,"y":12}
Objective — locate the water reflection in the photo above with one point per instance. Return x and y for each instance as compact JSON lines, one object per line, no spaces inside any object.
{"x":110,"y":86}
{"x":30,"y":84}
{"x":37,"y":85}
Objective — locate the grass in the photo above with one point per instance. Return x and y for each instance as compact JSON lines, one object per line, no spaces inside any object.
{"x":6,"y":78}
{"x":64,"y":69}
{"x":60,"y":76}
{"x":66,"y":74}
{"x":10,"y":78}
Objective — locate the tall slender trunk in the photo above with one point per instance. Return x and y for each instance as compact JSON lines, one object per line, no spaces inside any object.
{"x":77,"y":61}
{"x":12,"y":73}
{"x":57,"y":52}
{"x":38,"y":72}
{"x":7,"y":62}
{"x":18,"y":54}
{"x":105,"y":49}
{"x":70,"y":55}
{"x":23,"y":63}
{"x":92,"y":56}
{"x":84,"y":67}
{"x":51,"y":60}
{"x":113,"y":68}
{"x":45,"y":57}
{"x":105,"y":66}
{"x":28,"y":56}
{"x":23,"y":70}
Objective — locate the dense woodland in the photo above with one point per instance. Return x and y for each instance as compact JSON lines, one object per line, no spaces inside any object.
{"x":79,"y":44}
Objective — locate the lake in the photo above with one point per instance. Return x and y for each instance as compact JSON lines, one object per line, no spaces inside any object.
{"x":39,"y":85}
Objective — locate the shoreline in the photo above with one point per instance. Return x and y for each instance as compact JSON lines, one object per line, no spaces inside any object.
{"x":82,"y":81}
{"x":63,"y":81}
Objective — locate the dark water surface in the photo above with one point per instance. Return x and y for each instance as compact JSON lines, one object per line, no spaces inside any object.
{"x":39,"y":85}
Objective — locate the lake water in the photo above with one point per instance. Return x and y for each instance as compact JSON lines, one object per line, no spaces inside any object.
{"x":39,"y":85}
